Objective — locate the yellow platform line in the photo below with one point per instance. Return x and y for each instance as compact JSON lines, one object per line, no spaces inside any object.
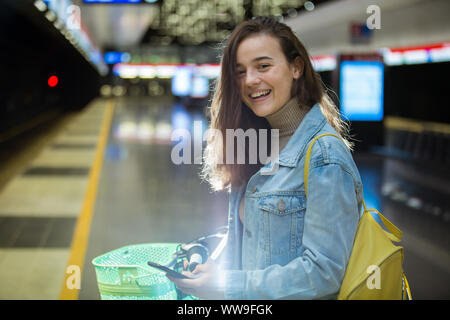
{"x":406,"y":124}
{"x":81,"y":234}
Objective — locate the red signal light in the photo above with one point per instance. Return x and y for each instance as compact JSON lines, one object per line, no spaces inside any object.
{"x":52,"y":81}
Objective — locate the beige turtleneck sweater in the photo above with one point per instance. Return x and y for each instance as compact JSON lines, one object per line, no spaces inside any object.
{"x":287,"y":120}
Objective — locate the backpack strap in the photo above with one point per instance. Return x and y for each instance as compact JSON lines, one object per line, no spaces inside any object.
{"x":308,"y":156}
{"x":395,"y":234}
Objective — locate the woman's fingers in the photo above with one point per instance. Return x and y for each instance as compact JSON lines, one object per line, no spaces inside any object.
{"x":191,"y":286}
{"x":186,"y":285}
{"x":187,"y":273}
{"x":200,"y":268}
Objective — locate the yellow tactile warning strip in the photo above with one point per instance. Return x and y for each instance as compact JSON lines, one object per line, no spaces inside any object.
{"x":70,"y":289}
{"x":405,"y":124}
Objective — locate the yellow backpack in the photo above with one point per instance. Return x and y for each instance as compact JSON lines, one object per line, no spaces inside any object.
{"x":374,"y":270}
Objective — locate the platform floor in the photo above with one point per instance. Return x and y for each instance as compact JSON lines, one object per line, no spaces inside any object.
{"x":44,"y":180}
{"x":142,"y":197}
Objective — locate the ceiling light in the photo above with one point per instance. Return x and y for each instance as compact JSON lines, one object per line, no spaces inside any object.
{"x":292,"y":13}
{"x":309,"y":6}
{"x":146,"y":72}
{"x":50,"y":15}
{"x":184,"y":10}
{"x":40,"y":5}
{"x":58,"y":24}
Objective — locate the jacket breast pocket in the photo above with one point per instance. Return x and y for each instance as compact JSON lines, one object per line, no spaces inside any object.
{"x":283,"y":226}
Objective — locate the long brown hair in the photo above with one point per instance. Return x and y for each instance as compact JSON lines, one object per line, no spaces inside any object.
{"x":229,"y":112}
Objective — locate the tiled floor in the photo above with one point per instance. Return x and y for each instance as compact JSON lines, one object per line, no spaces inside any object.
{"x":39,"y":209}
{"x":60,"y":157}
{"x":36,"y":232}
{"x":75,"y":140}
{"x":35,"y":273}
{"x":43,"y":196}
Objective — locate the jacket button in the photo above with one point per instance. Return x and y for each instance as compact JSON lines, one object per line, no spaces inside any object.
{"x":254,"y":189}
{"x":281,"y":205}
{"x":248,"y":233}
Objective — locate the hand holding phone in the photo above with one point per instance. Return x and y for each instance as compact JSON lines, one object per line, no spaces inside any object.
{"x":168,"y":271}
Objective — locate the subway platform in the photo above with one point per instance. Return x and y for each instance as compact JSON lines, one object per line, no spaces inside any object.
{"x":102,"y":178}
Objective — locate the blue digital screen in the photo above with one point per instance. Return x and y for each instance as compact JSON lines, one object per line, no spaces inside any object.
{"x":200,"y":87}
{"x":112,"y":1}
{"x":113,"y":57}
{"x":120,"y":1}
{"x":181,"y":119}
{"x":361,"y":90}
{"x":182,"y":81}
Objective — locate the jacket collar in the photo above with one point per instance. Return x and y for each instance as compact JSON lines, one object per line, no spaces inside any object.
{"x":311,"y":124}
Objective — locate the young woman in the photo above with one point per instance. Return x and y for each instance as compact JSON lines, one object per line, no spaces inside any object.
{"x":282,"y":242}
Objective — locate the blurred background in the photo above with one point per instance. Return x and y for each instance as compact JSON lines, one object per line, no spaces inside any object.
{"x":92,"y":90}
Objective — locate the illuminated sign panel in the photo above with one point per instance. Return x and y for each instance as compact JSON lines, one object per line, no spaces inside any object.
{"x":324,"y":63}
{"x":182,"y":81}
{"x":120,"y":1}
{"x":112,"y":1}
{"x":113,"y":57}
{"x":186,"y":80}
{"x":200,"y":87}
{"x":361,"y":90}
{"x":439,"y":52}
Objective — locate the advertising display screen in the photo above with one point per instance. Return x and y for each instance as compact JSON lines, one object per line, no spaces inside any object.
{"x":182,"y":81}
{"x":200,"y":87}
{"x":112,"y":1}
{"x":120,"y":1}
{"x":361,"y":90}
{"x":113,"y":57}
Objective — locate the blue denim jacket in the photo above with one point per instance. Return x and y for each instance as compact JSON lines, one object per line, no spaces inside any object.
{"x":290,"y":247}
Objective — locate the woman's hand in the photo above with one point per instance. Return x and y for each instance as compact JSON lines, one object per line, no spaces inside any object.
{"x":207,"y":283}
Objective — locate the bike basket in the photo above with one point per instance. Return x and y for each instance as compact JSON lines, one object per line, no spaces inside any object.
{"x":123,"y":274}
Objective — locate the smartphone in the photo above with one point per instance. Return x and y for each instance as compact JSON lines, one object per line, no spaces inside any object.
{"x":168,"y":271}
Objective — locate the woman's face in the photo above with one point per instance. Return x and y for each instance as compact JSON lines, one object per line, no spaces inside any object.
{"x":264,"y":75}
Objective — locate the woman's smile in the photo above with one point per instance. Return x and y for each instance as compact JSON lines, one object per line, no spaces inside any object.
{"x":260,"y":95}
{"x":264,"y":74}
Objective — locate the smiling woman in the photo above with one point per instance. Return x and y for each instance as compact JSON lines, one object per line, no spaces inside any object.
{"x":264,"y":65}
{"x":280,"y":246}
{"x":263,"y":69}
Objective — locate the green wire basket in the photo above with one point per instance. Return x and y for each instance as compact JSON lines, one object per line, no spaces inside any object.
{"x":123,"y":274}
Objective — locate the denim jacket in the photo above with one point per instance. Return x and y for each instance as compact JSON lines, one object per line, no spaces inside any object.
{"x":290,"y":247}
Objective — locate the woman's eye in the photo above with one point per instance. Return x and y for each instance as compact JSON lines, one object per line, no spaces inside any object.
{"x":240,"y":72}
{"x":264,"y":66}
